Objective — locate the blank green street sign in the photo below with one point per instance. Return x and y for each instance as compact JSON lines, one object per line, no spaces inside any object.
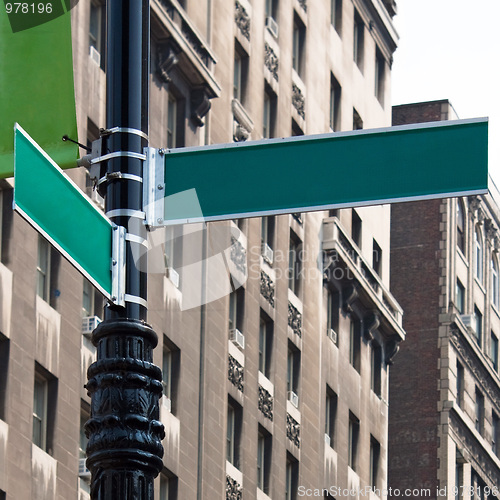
{"x":346,"y":169}
{"x":57,"y":208}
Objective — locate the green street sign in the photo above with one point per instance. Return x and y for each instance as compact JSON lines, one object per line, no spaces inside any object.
{"x":57,"y":208}
{"x":346,"y":169}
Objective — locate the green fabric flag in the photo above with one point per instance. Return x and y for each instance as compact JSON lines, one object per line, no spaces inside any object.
{"x":36,"y":80}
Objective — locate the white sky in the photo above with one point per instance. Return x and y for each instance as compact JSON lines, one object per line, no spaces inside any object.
{"x":450,"y":49}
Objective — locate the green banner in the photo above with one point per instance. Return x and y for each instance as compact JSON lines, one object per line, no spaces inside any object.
{"x":36,"y":80}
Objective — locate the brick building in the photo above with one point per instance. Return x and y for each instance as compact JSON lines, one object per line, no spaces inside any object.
{"x":445,"y":386}
{"x":281,"y":384}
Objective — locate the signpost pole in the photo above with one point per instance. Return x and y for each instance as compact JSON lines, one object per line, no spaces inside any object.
{"x":124,"y":449}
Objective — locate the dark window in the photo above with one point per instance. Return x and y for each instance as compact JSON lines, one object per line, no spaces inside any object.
{"x":267,"y":232}
{"x":240,"y":73}
{"x":47,"y":270}
{"x":335,"y":93}
{"x":357,"y":122}
{"x":298,"y":49}
{"x":269,"y":114}
{"x":6,"y":218}
{"x":353,"y":441}
{"x":44,"y":408}
{"x":336,"y":15}
{"x":377,"y":258}
{"x":379,"y":76}
{"x":330,"y":416}
{"x":170,"y":372}
{"x":236,"y":309}
{"x":293,"y":369}
{"x":296,"y":130}
{"x":460,"y":384}
{"x":295,"y":263}
{"x":233,"y":438}
{"x":292,"y":477}
{"x":359,"y":40}
{"x":374,"y":462}
{"x":4,"y":370}
{"x":272,"y":9}
{"x":333,"y":315}
{"x":494,"y":351}
{"x":97,"y":32}
{"x":355,"y":343}
{"x":376,"y":369}
{"x":494,"y":282}
{"x":356,"y":227}
{"x":168,"y":485}
{"x":460,"y":298}
{"x":265,"y":344}
{"x":479,"y":411}
{"x":478,"y":262}
{"x":460,"y":226}
{"x":478,"y":326}
{"x":495,"y":434}
{"x":264,"y":450}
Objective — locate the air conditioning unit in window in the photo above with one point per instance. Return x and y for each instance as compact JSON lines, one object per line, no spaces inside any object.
{"x":237,"y":338}
{"x":166,"y":403}
{"x":469,"y":320}
{"x":82,"y":468}
{"x":272,"y":26}
{"x":267,"y":253}
{"x":328,"y":440}
{"x":332,"y":335}
{"x":173,"y":276}
{"x":84,"y":495}
{"x":89,"y":324}
{"x":293,"y":398}
{"x":95,"y":56}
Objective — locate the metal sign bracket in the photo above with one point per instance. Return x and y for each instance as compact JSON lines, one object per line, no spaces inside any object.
{"x":118,"y":265}
{"x":154,"y":187}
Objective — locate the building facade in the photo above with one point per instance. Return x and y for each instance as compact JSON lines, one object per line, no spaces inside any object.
{"x":445,"y":388}
{"x":275,"y":334}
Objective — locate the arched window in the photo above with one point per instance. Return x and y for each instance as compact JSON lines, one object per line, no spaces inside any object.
{"x":494,"y":282}
{"x":478,"y":244}
{"x":460,"y":226}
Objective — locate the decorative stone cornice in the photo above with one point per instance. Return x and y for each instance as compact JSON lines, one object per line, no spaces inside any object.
{"x":267,"y":288}
{"x":234,"y":491}
{"x":490,"y":231}
{"x":391,"y":349}
{"x":271,"y":60}
{"x":294,"y":319}
{"x":474,"y":203}
{"x":298,"y":101}
{"x":242,"y":20}
{"x":235,"y":373}
{"x":293,"y":430}
{"x":200,"y":105}
{"x":166,"y":60}
{"x":238,"y":255}
{"x":371,"y":323}
{"x":265,"y":403}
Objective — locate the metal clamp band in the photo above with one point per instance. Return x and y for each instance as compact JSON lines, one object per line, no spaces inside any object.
{"x":117,"y":154}
{"x":126,"y":130}
{"x":136,"y":300}
{"x":119,"y":175}
{"x":137,"y":239}
{"x":126,"y":212}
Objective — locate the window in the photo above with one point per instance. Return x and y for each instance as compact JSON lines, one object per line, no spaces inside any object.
{"x":379,"y":76}
{"x":495,"y":434}
{"x":233,"y":437}
{"x":170,"y":372}
{"x":478,"y":326}
{"x":272,"y":9}
{"x":97,"y":30}
{"x":353,"y":441}
{"x":374,"y":462}
{"x":355,"y":343}
{"x":264,"y":445}
{"x":43,"y":269}
{"x":298,"y":49}
{"x":460,"y":297}
{"x":479,"y":411}
{"x":168,"y":486}
{"x":269,"y":114}
{"x":460,"y":384}
{"x":292,"y":477}
{"x":92,"y":302}
{"x":478,"y":261}
{"x":6,"y":219}
{"x":293,"y":369}
{"x":494,"y":351}
{"x":4,"y":370}
{"x":494,"y":282}
{"x":171,"y":122}
{"x":357,"y":122}
{"x":267,"y":232}
{"x":332,"y":315}
{"x":265,"y":344}
{"x":330,"y":415}
{"x":356,"y":227}
{"x":376,"y":369}
{"x":459,"y":476}
{"x":173,"y":252}
{"x":460,"y":226}
{"x":336,"y":15}
{"x":44,"y":397}
{"x":359,"y":40}
{"x":335,"y":92}
{"x":294,"y":263}
{"x":240,"y":73}
{"x":296,"y":130}
{"x":236,"y":309}
{"x":377,"y":258}
{"x":84,"y":416}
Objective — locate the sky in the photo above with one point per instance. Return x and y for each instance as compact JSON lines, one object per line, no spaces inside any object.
{"x":450,"y":49}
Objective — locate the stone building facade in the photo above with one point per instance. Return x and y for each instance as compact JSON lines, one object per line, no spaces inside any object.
{"x":276,"y":334}
{"x":445,"y":387}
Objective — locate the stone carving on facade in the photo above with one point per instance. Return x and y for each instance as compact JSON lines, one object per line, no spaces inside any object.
{"x":241,"y":134}
{"x":271,"y":60}
{"x":235,"y":373}
{"x":234,"y":491}
{"x":298,"y":217}
{"x":294,"y":319}
{"x":265,"y":403}
{"x":475,"y":366}
{"x":371,"y":322}
{"x":196,"y":44}
{"x":167,"y":59}
{"x":267,"y":288}
{"x":481,"y":461}
{"x":242,"y":20}
{"x":474,"y":203}
{"x":490,"y":230}
{"x":298,"y":101}
{"x":303,"y":4}
{"x":391,"y":349}
{"x":242,"y":123}
{"x":293,"y":430}
{"x":200,"y":105}
{"x":238,"y":255}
